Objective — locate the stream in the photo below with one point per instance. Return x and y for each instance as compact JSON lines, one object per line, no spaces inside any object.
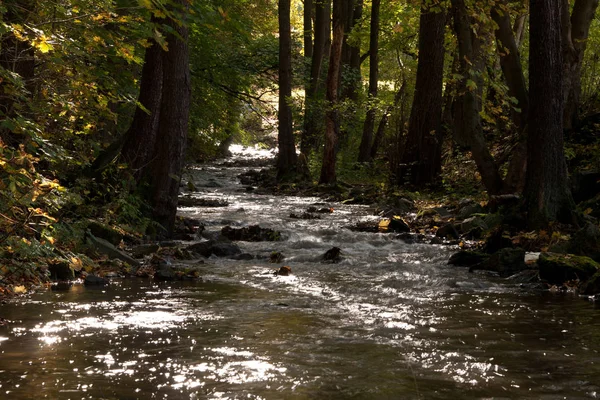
{"x":391,"y":321}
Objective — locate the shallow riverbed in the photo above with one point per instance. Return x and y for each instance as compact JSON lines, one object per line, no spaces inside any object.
{"x":390,"y":321}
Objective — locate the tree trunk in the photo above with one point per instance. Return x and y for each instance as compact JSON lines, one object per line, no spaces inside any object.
{"x":351,"y":53}
{"x":364,"y":152}
{"x":468,"y":132}
{"x":308,"y":45}
{"x":307,"y":141}
{"x":173,"y":124}
{"x":519,"y":28}
{"x":547,"y":192}
{"x":328,"y":174}
{"x":380,"y":134}
{"x":510,"y":62}
{"x":423,"y":150}
{"x":286,"y":160}
{"x":140,"y":138}
{"x":575,"y":33}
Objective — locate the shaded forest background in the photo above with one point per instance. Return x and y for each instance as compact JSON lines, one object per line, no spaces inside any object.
{"x":103,"y":102}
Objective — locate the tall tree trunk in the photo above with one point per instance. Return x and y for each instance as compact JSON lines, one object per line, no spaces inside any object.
{"x":380,"y":134}
{"x":364,"y":152}
{"x":575,"y":34}
{"x":423,"y":150}
{"x":519,"y":28}
{"x":307,"y":15}
{"x":140,"y":138}
{"x":351,"y":53}
{"x":307,"y":141}
{"x":510,"y":62}
{"x":173,"y":125}
{"x":547,"y":192}
{"x":328,"y":174}
{"x":468,"y":130}
{"x":286,"y":160}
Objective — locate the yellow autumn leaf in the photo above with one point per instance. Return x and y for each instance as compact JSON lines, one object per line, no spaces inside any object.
{"x":19,"y":289}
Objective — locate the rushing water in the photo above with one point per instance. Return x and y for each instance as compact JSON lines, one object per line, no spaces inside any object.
{"x":390,"y":321}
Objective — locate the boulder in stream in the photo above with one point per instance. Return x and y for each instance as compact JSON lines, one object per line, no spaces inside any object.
{"x":447,"y":231}
{"x":210,"y":247}
{"x":190,"y":201}
{"x":466,"y":258}
{"x":505,"y":262}
{"x":95,"y":280}
{"x":557,"y":269}
{"x":60,"y":270}
{"x":253,"y":233}
{"x":332,"y":256}
{"x":284,"y":271}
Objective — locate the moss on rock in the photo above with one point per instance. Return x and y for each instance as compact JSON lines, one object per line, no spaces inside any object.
{"x":560,"y":268}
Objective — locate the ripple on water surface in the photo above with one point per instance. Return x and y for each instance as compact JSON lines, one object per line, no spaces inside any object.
{"x":391,"y":320}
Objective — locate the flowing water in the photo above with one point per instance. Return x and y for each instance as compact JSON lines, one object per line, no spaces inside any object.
{"x":391,"y":321}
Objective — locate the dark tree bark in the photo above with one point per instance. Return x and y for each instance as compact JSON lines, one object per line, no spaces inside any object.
{"x":18,"y":57}
{"x":380,"y":134}
{"x":140,"y":138}
{"x":364,"y":151}
{"x":322,"y":11}
{"x":173,"y":125}
{"x":328,"y":174}
{"x":510,"y":62}
{"x":519,"y":28}
{"x":468,"y":132}
{"x":547,"y":191}
{"x":286,"y":159}
{"x":351,"y":53}
{"x":307,"y":15}
{"x":423,"y":150}
{"x":575,"y":32}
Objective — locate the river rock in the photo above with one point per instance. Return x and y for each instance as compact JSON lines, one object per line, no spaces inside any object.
{"x":144,"y":250}
{"x":466,"y":258}
{"x":365,"y":226}
{"x":283,"y":271}
{"x":443,"y":212}
{"x":332,"y":256}
{"x":60,"y":270}
{"x":61,"y":286}
{"x":276,"y":257}
{"x":304,"y":215}
{"x":210,"y":247}
{"x":243,"y":257}
{"x":505,"y":262}
{"x":95,"y":280}
{"x":107,"y":248}
{"x":398,"y":225}
{"x":221,"y":249}
{"x":497,"y":240}
{"x":411,"y":238}
{"x":592,"y":285}
{"x":105,"y":232}
{"x":468,"y":210}
{"x":189,"y":201}
{"x":165,"y":274}
{"x":557,"y":269}
{"x":402,"y":207}
{"x":472,"y":223}
{"x":586,"y":242}
{"x":447,"y":231}
{"x":253,"y":233}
